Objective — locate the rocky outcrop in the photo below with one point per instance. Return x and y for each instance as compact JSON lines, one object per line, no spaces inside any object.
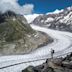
{"x":17,"y":37}
{"x":53,"y":65}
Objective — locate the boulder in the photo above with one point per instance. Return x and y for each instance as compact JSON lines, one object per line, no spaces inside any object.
{"x":29,"y":69}
{"x":67,"y":64}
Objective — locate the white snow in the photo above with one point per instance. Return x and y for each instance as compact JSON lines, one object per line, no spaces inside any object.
{"x":49,"y":19}
{"x":62,"y":44}
{"x":67,"y":18}
{"x":55,"y":12}
{"x":31,"y":17}
{"x":14,"y":19}
{"x":42,"y":21}
{"x":69,"y":8}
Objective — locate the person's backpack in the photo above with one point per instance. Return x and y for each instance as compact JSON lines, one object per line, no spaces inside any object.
{"x":53,"y":51}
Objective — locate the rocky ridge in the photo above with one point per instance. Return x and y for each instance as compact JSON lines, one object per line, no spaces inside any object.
{"x":59,"y":21}
{"x":16,"y":35}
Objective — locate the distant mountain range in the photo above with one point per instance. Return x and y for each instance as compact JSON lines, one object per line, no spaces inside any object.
{"x":61,"y":20}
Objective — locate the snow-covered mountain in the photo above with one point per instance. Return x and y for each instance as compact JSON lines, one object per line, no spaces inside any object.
{"x":60,"y":20}
{"x":31,"y":17}
{"x":55,"y":12}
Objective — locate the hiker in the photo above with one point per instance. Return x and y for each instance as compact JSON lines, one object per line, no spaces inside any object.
{"x":52,"y":52}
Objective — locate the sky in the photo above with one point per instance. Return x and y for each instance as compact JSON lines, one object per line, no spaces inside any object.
{"x":44,"y":6}
{"x":26,"y":7}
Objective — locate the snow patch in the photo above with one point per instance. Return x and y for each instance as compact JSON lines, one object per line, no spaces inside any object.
{"x":69,"y":8}
{"x":55,"y":12}
{"x":42,"y":21}
{"x":31,"y":17}
{"x":49,"y":19}
{"x":67,"y":18}
{"x":14,"y":19}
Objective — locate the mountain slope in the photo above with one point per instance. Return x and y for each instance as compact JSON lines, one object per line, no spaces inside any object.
{"x":12,"y":27}
{"x":16,"y":35}
{"x":31,"y":17}
{"x":59,"y":21}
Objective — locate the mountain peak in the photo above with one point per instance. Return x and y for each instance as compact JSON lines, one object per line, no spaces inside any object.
{"x":13,"y":26}
{"x":69,"y":8}
{"x":55,"y":12}
{"x":59,"y":20}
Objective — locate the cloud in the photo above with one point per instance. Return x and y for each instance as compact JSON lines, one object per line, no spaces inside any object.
{"x":13,"y":5}
{"x":28,"y":8}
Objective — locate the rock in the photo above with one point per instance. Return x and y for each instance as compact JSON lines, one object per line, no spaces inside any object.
{"x":67,"y":64}
{"x":38,"y":69}
{"x":29,"y":69}
{"x":62,"y":70}
{"x":49,"y":69}
{"x":68,"y":57}
{"x":57,"y":61}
